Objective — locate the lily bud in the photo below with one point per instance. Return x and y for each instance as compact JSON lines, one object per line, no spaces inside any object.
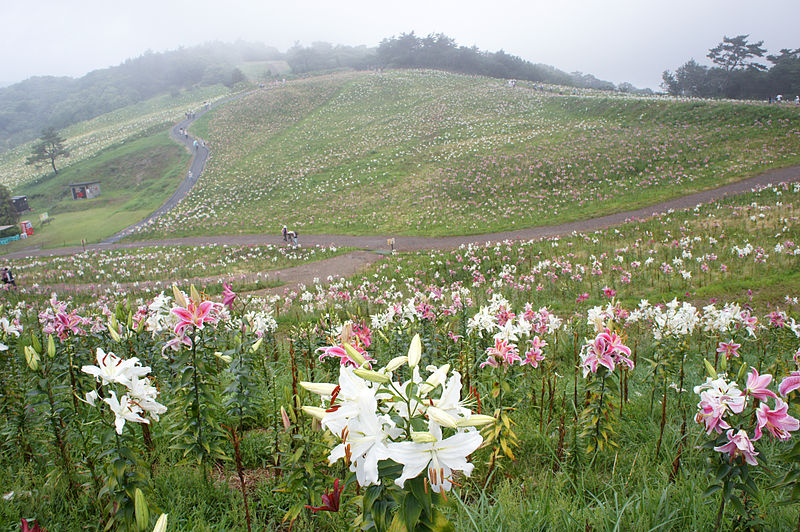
{"x":476,"y":420}
{"x":225,"y":358}
{"x":370,"y":375}
{"x":256,"y":345}
{"x":161,"y":524}
{"x":315,"y":412}
{"x":179,"y":297}
{"x":347,"y":332}
{"x":415,"y":351}
{"x":51,"y":346}
{"x":195,"y":295}
{"x":141,"y":510}
{"x":422,"y":437}
{"x":113,"y":332}
{"x":441,"y":417}
{"x":357,"y":357}
{"x":319,"y":388}
{"x":287,"y":424}
{"x":32,"y":358}
{"x":396,"y":362}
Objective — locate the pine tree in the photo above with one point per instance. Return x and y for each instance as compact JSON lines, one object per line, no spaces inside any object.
{"x":49,"y":147}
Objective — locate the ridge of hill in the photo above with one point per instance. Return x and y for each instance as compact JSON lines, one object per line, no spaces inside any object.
{"x":28,"y":107}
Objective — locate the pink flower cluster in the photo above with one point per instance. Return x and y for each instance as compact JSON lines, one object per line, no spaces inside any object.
{"x":505,"y":353}
{"x":56,"y":320}
{"x":720,"y":398}
{"x":606,"y":350}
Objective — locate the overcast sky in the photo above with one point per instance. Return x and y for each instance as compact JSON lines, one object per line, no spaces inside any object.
{"x":616,"y":40}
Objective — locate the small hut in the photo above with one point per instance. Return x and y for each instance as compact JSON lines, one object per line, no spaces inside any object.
{"x":85,"y":190}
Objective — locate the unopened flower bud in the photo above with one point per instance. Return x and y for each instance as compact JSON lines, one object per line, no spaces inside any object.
{"x":422,"y":437}
{"x":441,"y":417}
{"x":319,"y":388}
{"x":51,"y":346}
{"x":396,"y":362}
{"x":476,"y":420}
{"x":315,"y":412}
{"x":415,"y":351}
{"x":370,"y":375}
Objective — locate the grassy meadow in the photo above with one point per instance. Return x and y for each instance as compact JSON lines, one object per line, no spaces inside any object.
{"x":431,"y":153}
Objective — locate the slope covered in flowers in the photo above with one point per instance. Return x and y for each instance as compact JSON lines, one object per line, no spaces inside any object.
{"x":416,"y":152}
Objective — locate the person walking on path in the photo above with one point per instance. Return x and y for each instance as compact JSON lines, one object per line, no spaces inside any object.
{"x":285,"y":233}
{"x":294,"y":237}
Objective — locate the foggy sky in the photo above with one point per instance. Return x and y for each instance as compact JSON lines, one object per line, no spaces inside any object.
{"x":616,"y":40}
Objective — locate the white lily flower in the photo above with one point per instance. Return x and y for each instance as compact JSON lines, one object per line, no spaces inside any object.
{"x":441,"y":457}
{"x":124,"y":410}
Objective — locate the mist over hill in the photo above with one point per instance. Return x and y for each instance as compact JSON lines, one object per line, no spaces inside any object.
{"x":46,"y":101}
{"x":26,"y":108}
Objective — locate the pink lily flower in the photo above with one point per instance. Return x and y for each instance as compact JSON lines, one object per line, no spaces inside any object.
{"x":789,"y":383}
{"x":228,"y":295}
{"x":534,"y":354}
{"x":757,"y":385}
{"x":193,"y":315}
{"x":739,"y":445}
{"x":338,"y":351}
{"x":778,"y":422}
{"x":502,"y":353}
{"x":729,"y":349}
{"x":711,"y":413}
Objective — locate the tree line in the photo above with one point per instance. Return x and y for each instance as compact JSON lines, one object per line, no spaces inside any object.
{"x":439,"y":52}
{"x":738,"y":71}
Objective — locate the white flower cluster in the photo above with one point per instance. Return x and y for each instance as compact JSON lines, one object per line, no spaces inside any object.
{"x":726,"y":319}
{"x":140,"y":396}
{"x":675,"y":319}
{"x":160,"y":318}
{"x":261,"y":322}
{"x":375,"y":416}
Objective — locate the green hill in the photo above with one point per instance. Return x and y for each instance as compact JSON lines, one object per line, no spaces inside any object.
{"x":426,"y":152}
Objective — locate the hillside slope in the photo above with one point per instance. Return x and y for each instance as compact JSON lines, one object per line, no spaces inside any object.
{"x":423,"y":152}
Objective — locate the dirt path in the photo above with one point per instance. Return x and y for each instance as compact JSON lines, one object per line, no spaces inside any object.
{"x":351,"y":263}
{"x":406,"y":243}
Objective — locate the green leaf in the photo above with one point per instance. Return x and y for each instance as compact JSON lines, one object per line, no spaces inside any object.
{"x":711,"y":490}
{"x":417,"y":486}
{"x":410,"y":511}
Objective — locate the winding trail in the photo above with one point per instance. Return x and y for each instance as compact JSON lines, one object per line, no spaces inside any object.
{"x":200,"y":155}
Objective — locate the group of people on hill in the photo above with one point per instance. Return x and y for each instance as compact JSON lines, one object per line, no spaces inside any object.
{"x":290,"y":237}
{"x":779,"y":99}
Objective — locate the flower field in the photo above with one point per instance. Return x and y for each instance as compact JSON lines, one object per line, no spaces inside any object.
{"x":643,"y":377}
{"x":106,"y":267}
{"x":430,"y":153}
